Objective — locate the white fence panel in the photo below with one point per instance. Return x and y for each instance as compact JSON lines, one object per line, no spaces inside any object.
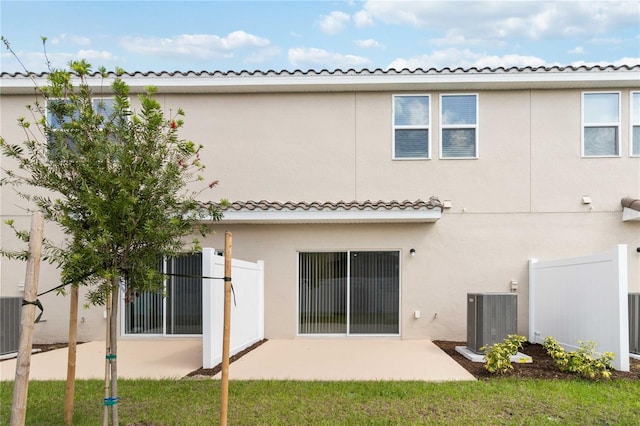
{"x":582,"y":298}
{"x":247,"y":307}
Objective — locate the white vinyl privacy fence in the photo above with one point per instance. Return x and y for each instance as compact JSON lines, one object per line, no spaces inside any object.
{"x":582,"y":299}
{"x":247,"y":306}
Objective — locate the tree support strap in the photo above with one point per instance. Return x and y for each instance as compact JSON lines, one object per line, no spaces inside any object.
{"x":36,"y":303}
{"x":111,"y":401}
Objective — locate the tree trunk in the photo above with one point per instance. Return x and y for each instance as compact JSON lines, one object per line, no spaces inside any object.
{"x":107,"y":362}
{"x":71,"y":356}
{"x":23,"y":363}
{"x":113,"y":331}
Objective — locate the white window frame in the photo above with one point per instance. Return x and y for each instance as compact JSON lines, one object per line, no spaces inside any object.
{"x":475,"y":126}
{"x":633,"y":124}
{"x":584,"y":125}
{"x":395,"y":127}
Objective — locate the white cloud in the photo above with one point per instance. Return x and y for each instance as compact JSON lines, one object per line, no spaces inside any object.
{"x":71,"y":39}
{"x":36,"y":61}
{"x":333,"y":23}
{"x":92,"y":55}
{"x":368,"y":44}
{"x":454,"y":37}
{"x":612,"y":41}
{"x":200,"y":46}
{"x":465,"y":58}
{"x":508,"y":19}
{"x":629,"y":61}
{"x":312,"y":58}
{"x":578,"y":50}
{"x":363,"y":19}
{"x":262,"y":55}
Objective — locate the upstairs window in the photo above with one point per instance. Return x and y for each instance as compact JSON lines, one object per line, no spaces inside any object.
{"x":600,"y":124}
{"x":60,"y":112}
{"x":459,"y":126}
{"x":635,"y":124}
{"x":102,"y":106}
{"x":411,"y":132}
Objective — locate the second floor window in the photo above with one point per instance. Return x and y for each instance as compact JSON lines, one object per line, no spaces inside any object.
{"x":61,"y":111}
{"x":411,"y":133}
{"x":459,"y":126}
{"x":102,"y":106}
{"x":600,"y":124}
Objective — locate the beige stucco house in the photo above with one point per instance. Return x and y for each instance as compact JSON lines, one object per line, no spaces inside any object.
{"x":379,"y":199}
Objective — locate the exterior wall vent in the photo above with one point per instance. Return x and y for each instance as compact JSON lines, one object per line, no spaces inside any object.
{"x":491,"y":317}
{"x":634,"y":323}
{"x":10,"y":313}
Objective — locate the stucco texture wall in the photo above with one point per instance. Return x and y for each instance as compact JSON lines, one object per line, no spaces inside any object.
{"x":520,"y":199}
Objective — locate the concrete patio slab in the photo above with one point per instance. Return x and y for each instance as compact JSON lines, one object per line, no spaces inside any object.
{"x":296,"y":359}
{"x":348,"y":359}
{"x":153,"y":358}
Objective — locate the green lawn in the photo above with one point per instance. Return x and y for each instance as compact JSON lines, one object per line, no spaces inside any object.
{"x":196,"y":402}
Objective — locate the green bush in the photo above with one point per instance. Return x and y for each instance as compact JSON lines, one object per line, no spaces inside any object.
{"x":583,"y":361}
{"x":498,"y":356}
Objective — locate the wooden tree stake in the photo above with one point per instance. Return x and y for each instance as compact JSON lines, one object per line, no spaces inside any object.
{"x":226,"y":330}
{"x":71,"y":356}
{"x":23,"y":363}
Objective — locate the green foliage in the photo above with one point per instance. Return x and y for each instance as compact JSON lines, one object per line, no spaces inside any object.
{"x":583,"y":361}
{"x":121,"y":183}
{"x":498,"y":356}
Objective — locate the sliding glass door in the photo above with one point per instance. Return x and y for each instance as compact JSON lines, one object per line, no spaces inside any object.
{"x":352,"y":293}
{"x":180,"y":311}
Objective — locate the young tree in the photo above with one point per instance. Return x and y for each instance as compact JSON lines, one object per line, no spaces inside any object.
{"x":120,"y":183}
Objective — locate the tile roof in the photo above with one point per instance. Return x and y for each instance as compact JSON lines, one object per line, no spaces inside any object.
{"x":365,"y":71}
{"x":264,"y":205}
{"x":351,"y":80}
{"x":275,"y":212}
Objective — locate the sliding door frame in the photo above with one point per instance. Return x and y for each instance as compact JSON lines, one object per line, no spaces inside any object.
{"x":348,"y":295}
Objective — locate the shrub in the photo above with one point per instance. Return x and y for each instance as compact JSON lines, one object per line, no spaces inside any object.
{"x":583,"y":361}
{"x":498,"y":356}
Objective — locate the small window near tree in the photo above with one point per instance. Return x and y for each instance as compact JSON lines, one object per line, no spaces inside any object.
{"x":601,"y":124}
{"x":60,"y":111}
{"x":58,"y":108}
{"x":459,"y":126}
{"x":635,"y":124}
{"x":411,"y":133}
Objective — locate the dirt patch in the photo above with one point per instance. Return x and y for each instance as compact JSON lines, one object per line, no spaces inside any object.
{"x":542,"y":366}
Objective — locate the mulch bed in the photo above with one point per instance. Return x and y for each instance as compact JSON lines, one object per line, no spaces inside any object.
{"x":542,"y":366}
{"x":206,"y":372}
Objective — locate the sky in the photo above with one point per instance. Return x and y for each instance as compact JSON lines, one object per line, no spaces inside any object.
{"x":316,"y":35}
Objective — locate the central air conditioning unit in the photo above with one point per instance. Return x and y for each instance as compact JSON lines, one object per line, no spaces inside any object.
{"x":10,"y":316}
{"x":634,"y":323}
{"x":491,"y":317}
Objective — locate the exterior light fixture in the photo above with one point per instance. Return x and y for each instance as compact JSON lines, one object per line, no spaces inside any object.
{"x":586,"y":200}
{"x":412,"y":252}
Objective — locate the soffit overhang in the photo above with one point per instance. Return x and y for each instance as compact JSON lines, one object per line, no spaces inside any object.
{"x":630,"y":209}
{"x":357,"y":81}
{"x":273,"y":212}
